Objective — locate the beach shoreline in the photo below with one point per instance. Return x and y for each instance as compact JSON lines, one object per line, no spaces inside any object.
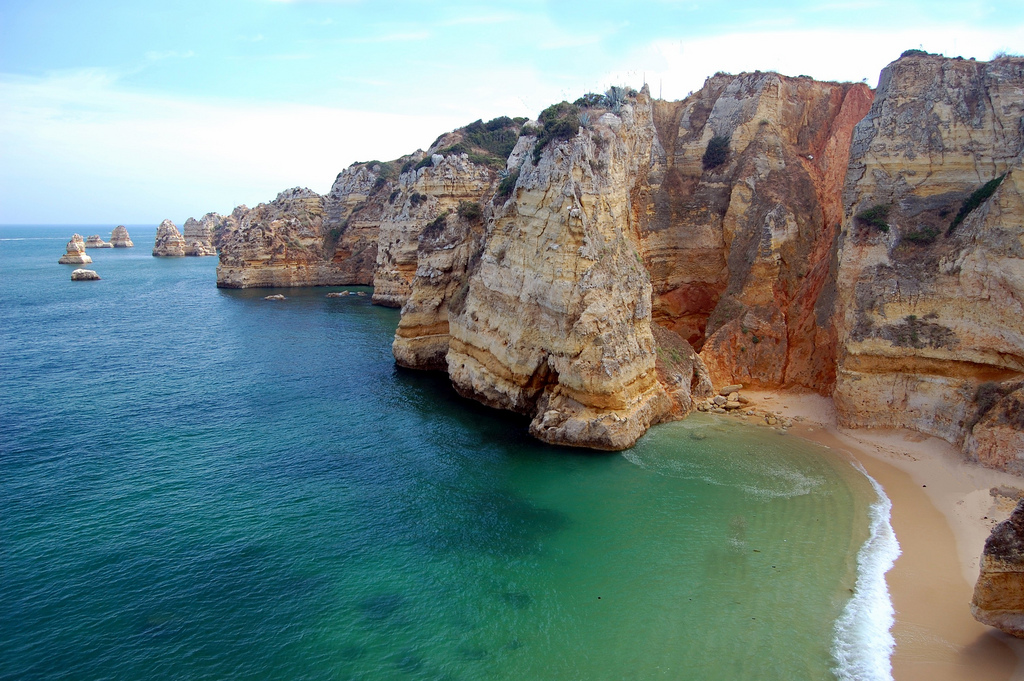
{"x":942,"y":512}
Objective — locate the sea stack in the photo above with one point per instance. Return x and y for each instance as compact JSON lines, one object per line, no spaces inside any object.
{"x":75,"y":254}
{"x":169,"y":242}
{"x":120,"y":238}
{"x":95,"y":241}
{"x":999,"y":594}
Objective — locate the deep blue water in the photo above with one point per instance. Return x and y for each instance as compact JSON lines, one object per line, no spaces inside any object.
{"x":200,"y":484}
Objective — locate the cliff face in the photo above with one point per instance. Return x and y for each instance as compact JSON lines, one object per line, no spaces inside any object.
{"x":931,"y":278}
{"x":739,"y":244}
{"x":555,"y":320}
{"x":200,"y":234}
{"x":280,"y":243}
{"x":999,"y":593}
{"x":423,"y":196}
{"x":169,"y":242}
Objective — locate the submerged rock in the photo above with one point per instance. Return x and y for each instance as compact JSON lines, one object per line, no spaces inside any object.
{"x":84,"y":275}
{"x":999,"y":594}
{"x":75,"y":252}
{"x":169,"y":242}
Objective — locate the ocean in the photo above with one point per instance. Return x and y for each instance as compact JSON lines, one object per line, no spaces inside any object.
{"x":198,"y":483}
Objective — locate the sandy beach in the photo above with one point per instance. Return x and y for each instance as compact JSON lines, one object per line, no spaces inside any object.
{"x":942,"y":513}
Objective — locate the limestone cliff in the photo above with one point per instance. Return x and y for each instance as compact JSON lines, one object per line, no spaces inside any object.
{"x":931,"y":257}
{"x":740,"y":218}
{"x":200,"y":235}
{"x":74,"y":253}
{"x":555,"y":319}
{"x":169,"y":242}
{"x":120,"y":239}
{"x":999,"y":593}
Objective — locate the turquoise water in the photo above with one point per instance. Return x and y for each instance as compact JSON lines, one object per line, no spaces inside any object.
{"x":199,"y":484}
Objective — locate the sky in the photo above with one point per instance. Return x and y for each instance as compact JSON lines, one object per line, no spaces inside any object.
{"x":130,"y":111}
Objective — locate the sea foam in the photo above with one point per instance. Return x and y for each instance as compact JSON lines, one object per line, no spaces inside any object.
{"x":863,"y":642}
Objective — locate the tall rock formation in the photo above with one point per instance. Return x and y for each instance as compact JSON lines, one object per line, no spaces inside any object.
{"x":931,"y":257}
{"x":555,"y":318}
{"x":200,"y":235}
{"x":75,"y":252}
{"x":740,"y":218}
{"x":169,"y":242}
{"x":999,"y":593}
{"x":120,"y":239}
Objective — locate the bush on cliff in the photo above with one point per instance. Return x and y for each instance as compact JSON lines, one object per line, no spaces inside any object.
{"x":559,"y":122}
{"x":876,"y":216}
{"x":507,"y":184}
{"x":470,"y":210}
{"x":716,"y":153}
{"x":978,"y":197}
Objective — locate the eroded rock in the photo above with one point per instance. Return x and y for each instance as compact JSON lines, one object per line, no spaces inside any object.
{"x":999,"y":593}
{"x":75,"y":252}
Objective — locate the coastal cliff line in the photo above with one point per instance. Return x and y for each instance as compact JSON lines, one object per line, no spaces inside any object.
{"x":600,"y":268}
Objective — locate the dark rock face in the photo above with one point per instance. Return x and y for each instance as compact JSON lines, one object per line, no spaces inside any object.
{"x":999,"y":594}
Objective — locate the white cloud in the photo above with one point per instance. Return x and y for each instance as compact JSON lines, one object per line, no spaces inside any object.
{"x":679,"y":67}
{"x":79,"y":149}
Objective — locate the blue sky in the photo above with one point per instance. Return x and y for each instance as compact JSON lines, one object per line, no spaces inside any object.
{"x":132,"y":112}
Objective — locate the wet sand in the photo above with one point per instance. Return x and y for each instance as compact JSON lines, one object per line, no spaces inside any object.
{"x":942,"y":512}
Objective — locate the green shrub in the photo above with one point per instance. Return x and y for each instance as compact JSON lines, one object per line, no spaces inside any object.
{"x":416,"y":199}
{"x":433,"y":229}
{"x":978,"y":197}
{"x":507,"y":184}
{"x":615,"y":97}
{"x":559,"y":122}
{"x":716,"y":153}
{"x":427,"y":161}
{"x":925,"y":235}
{"x":394,"y":195}
{"x":876,"y":216}
{"x":470,"y":210}
{"x":911,"y":53}
{"x":590,"y":100}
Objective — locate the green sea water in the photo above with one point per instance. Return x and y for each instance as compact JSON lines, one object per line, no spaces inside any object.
{"x":200,"y":484}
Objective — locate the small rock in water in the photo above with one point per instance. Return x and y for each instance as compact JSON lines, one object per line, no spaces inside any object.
{"x":337,"y":294}
{"x":84,"y":275}
{"x":361,"y":293}
{"x":274,"y":297}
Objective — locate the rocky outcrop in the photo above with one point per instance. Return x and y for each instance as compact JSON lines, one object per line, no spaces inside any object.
{"x":931,"y":258}
{"x":95,"y":241}
{"x":742,"y":212}
{"x":75,"y":252}
{"x":999,"y":593}
{"x":200,"y":235}
{"x":169,"y":242}
{"x":556,"y":318}
{"x":120,"y":239}
{"x":84,"y":275}
{"x":275,"y":244}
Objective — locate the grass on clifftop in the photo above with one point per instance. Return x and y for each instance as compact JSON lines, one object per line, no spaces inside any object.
{"x":487,"y":144}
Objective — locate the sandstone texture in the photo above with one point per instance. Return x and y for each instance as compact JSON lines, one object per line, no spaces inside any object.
{"x":931,"y":258}
{"x":740,"y":247}
{"x":169,"y":242}
{"x":84,"y":275}
{"x":95,"y":241}
{"x":999,"y":593}
{"x":120,"y":239}
{"x":201,"y":235}
{"x":555,"y":321}
{"x":75,"y":252}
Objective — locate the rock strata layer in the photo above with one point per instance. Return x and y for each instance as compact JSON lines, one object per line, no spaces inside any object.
{"x":169,"y":241}
{"x":200,"y":235}
{"x":999,"y":593}
{"x":75,"y":252}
